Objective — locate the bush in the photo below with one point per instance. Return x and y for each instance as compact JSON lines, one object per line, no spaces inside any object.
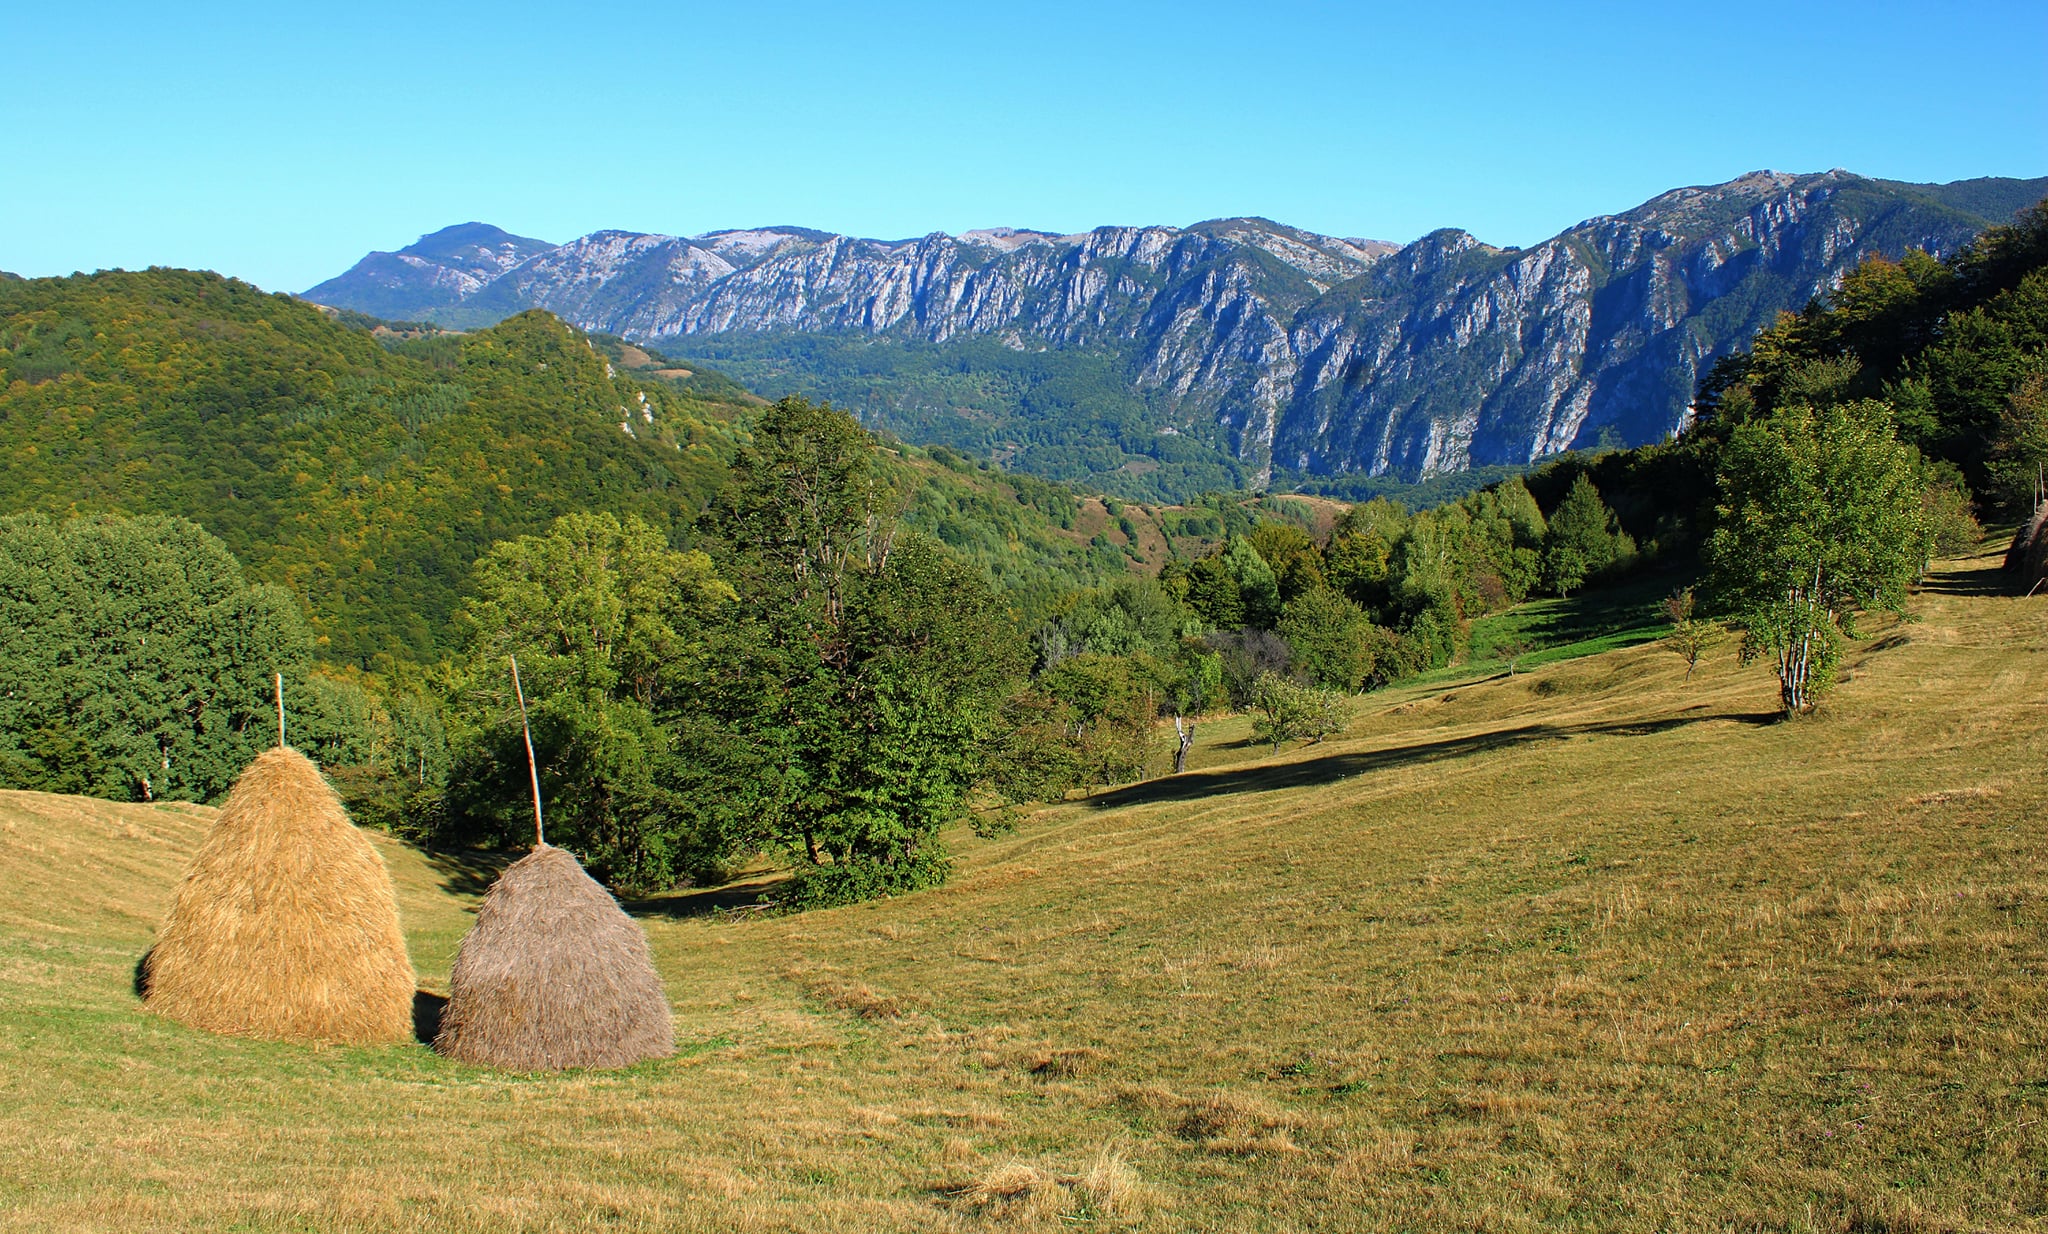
{"x":1288,"y":711}
{"x":865,"y":876}
{"x":1952,"y":526}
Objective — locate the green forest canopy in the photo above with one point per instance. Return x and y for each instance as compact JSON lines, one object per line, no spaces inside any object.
{"x":366,"y":475}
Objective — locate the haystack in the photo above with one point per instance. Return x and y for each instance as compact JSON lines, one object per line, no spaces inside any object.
{"x":554,"y":974}
{"x":2028,"y":556}
{"x":286,"y":925}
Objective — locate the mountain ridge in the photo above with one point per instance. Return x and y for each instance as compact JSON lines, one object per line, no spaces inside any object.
{"x":1267,"y":350}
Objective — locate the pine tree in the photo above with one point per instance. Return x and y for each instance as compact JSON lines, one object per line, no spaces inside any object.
{"x":1581,"y":539}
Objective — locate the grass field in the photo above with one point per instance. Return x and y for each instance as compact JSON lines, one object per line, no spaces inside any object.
{"x":1591,"y":948}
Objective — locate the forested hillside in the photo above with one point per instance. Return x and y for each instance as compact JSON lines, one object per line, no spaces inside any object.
{"x":365,"y":479}
{"x":1957,"y":350}
{"x":366,"y":471}
{"x":763,"y":627}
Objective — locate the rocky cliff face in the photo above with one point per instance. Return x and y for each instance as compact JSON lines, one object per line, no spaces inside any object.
{"x":1311,"y":353}
{"x":432,"y":276}
{"x":1451,"y":354}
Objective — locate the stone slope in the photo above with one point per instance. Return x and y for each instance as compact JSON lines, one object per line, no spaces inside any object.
{"x":1309,"y":353}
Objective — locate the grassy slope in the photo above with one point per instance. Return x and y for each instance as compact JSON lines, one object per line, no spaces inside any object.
{"x":1625,"y":613}
{"x":1591,"y":948}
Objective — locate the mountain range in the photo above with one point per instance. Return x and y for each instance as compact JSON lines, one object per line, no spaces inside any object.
{"x":1156,"y":361}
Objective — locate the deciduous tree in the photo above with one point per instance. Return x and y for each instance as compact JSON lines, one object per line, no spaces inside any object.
{"x":610,"y":627}
{"x":1819,"y":517}
{"x":855,"y":694}
{"x":135,"y":662}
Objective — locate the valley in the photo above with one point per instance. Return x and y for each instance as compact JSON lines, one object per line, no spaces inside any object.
{"x":1218,"y":728}
{"x":1151,"y":618}
{"x":1588,"y":948}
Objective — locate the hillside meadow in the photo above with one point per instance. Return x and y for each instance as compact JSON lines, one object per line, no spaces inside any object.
{"x":1591,"y":947}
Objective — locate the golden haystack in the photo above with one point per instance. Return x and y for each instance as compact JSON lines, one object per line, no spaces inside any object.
{"x":554,"y":974}
{"x":286,"y":925}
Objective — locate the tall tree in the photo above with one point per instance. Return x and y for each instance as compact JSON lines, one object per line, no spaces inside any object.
{"x":1334,"y":643}
{"x":1819,"y":517}
{"x":1296,"y":562}
{"x":1214,"y":594}
{"x":610,"y":627}
{"x":1257,"y":586}
{"x":855,"y":695}
{"x":1581,"y":540}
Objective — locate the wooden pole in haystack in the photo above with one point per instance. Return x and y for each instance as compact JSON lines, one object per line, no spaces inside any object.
{"x":532,"y":768}
{"x":553,"y":974}
{"x":280,"y":711}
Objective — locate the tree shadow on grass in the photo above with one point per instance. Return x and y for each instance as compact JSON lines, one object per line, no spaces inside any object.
{"x":1309,"y":773}
{"x":1984,"y":581}
{"x":470,"y":871}
{"x":736,"y":897}
{"x":1625,"y":605}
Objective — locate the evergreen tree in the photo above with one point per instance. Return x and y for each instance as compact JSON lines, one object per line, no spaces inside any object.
{"x":1581,"y":539}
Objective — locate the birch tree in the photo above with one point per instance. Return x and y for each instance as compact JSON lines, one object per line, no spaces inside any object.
{"x":1819,"y":518}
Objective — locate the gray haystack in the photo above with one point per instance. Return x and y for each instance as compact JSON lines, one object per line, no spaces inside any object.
{"x":2028,"y":556}
{"x":554,"y":974}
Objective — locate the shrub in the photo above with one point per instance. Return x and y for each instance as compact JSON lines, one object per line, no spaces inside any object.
{"x":1288,"y":711}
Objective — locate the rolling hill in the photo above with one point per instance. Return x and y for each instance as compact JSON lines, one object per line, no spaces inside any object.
{"x":366,"y":468}
{"x":1590,"y":948}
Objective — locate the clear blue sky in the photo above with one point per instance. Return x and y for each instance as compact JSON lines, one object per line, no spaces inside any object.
{"x":280,"y":142}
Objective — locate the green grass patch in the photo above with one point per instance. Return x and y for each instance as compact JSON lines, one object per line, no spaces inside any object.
{"x":1627,"y":613}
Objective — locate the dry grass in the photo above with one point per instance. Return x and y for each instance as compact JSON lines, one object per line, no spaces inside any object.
{"x":1598,"y":954}
{"x":1016,"y":1193}
{"x":285,"y":925}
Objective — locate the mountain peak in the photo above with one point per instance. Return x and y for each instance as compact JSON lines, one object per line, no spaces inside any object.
{"x":451,"y":241}
{"x":438,"y":271}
